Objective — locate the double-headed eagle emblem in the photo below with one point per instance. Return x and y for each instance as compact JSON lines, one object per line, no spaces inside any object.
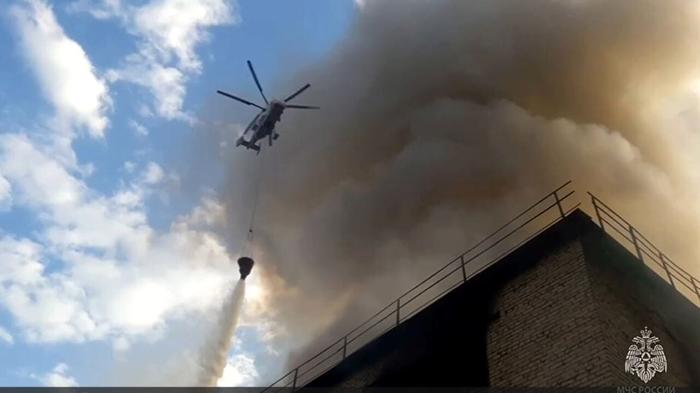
{"x":646,"y":359}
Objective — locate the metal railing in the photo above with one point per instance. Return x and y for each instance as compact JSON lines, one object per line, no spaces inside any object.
{"x":529,"y":223}
{"x":645,"y":250}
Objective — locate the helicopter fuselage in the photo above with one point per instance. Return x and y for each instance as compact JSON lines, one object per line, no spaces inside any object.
{"x":263,"y":125}
{"x":271,"y":115}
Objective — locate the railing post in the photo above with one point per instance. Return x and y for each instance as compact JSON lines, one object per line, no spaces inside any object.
{"x":636,"y":243}
{"x":294,"y":382}
{"x":398,"y":307}
{"x":561,"y":210}
{"x":464,"y":270}
{"x":345,"y":346}
{"x":668,"y":272}
{"x":597,"y":212}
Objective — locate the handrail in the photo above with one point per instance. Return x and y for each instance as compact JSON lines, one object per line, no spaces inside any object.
{"x":464,"y":259}
{"x":643,"y":246}
{"x":482,"y":241}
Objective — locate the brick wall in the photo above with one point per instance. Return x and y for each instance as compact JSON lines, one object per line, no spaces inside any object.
{"x":547,"y":333}
{"x":616,"y":281}
{"x":622,"y":319}
{"x":570,"y":319}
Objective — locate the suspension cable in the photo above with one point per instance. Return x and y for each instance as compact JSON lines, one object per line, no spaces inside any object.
{"x":256,"y":196}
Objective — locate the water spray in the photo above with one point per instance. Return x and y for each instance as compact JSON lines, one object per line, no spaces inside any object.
{"x":215,"y":353}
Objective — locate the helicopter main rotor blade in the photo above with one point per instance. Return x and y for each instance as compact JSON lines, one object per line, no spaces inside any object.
{"x":302,"y":107}
{"x":239,"y":99}
{"x":297,"y":93}
{"x":257,"y":82}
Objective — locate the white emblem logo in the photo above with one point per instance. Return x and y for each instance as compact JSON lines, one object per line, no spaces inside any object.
{"x":646,"y":359}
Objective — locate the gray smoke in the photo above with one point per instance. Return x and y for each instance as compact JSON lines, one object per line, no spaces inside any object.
{"x":213,"y":357}
{"x":442,"y":119}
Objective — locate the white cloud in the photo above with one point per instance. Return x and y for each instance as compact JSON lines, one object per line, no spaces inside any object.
{"x":21,"y":261}
{"x":6,"y":336}
{"x":166,"y":84}
{"x":121,"y":344}
{"x":49,"y":311}
{"x":64,"y":71}
{"x":5,"y":194}
{"x":38,"y":179}
{"x":118,"y":276}
{"x":168,"y":32}
{"x":239,"y":371}
{"x":129,"y":166}
{"x":173,"y":28}
{"x":103,"y":10}
{"x":153,"y":174}
{"x":138,"y":127}
{"x":58,"y":377}
{"x":65,"y":204}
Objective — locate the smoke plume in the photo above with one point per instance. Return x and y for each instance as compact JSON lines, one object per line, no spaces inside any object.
{"x":442,"y":119}
{"x":214,"y":354}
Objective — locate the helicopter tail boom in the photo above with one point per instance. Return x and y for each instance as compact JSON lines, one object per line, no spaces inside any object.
{"x":247,"y":144}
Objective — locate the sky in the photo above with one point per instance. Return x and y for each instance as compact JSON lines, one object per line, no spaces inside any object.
{"x":108,"y":264}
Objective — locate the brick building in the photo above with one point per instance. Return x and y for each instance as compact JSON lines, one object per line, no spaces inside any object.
{"x":560,"y":310}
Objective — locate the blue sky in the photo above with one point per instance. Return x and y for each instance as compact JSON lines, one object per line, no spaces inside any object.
{"x":102,"y":273}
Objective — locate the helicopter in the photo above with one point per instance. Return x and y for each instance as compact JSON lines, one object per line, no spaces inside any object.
{"x":263,"y":125}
